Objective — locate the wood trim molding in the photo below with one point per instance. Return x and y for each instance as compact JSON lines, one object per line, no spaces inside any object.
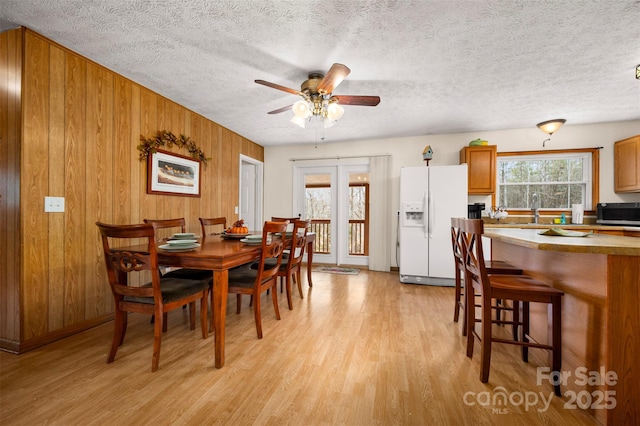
{"x":45,"y":339}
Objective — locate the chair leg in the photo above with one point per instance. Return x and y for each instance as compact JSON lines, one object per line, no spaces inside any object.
{"x":515,"y":316}
{"x":275,"y":300}
{"x":456,"y":308}
{"x":119,"y":328}
{"x":203,"y":314}
{"x":289,"y":301}
{"x":556,"y":338}
{"x":256,"y":312}
{"x":299,"y":282}
{"x":164,"y":322}
{"x":485,"y":343}
{"x":157,"y":340}
{"x":470,"y":318}
{"x":464,"y":302}
{"x":192,"y":316}
{"x":526,"y":328}
{"x":238,"y":302}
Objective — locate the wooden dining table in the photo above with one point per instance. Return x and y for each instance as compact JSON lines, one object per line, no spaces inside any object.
{"x":220,"y":255}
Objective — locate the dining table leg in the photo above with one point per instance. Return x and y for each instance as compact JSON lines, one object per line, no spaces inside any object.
{"x":219,"y":308}
{"x":309,"y":261}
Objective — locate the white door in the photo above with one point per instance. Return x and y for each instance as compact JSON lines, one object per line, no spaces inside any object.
{"x":250,"y":203}
{"x":323,"y":194}
{"x":316,"y":198}
{"x":353,"y":212}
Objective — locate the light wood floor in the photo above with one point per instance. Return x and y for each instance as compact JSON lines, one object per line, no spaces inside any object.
{"x":357,"y":350}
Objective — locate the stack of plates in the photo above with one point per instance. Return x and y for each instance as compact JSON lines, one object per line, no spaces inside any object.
{"x":184,"y":236}
{"x":180,"y":245}
{"x":252,"y":239}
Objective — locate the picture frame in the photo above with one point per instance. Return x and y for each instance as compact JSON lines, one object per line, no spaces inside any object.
{"x":169,"y":173}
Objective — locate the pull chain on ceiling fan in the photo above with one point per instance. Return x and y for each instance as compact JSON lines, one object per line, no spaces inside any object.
{"x":318,"y":99}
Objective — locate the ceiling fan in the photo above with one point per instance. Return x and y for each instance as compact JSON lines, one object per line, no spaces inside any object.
{"x":318,"y":98}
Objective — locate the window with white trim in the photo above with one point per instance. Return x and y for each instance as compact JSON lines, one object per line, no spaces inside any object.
{"x":559,"y":180}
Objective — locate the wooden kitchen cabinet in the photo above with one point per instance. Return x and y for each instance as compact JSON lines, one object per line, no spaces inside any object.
{"x":482,"y":164}
{"x":626,"y":165}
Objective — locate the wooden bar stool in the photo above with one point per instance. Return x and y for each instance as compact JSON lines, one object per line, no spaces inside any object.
{"x":492,"y":266}
{"x":517,"y":288}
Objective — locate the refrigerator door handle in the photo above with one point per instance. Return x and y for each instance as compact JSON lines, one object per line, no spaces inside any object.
{"x":425,"y":215}
{"x":430,"y":214}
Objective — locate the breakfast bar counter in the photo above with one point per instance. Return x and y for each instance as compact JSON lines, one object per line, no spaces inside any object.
{"x":600,"y":276}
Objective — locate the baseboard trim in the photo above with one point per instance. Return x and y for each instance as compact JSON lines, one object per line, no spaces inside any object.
{"x":36,"y":342}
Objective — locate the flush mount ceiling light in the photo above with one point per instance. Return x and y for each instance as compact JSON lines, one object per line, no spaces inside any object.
{"x":550,"y":126}
{"x":638,"y":72}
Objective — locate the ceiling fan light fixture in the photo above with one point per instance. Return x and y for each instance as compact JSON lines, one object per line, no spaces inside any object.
{"x":334,"y":112}
{"x":297,"y":120}
{"x":301,"y":109}
{"x":550,"y":126}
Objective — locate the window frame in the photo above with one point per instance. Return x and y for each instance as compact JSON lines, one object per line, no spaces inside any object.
{"x":595,"y":177}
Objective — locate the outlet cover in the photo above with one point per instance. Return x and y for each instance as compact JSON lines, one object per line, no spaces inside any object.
{"x":53,"y":204}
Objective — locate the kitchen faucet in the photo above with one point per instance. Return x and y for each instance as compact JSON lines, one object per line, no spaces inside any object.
{"x":535,"y":207}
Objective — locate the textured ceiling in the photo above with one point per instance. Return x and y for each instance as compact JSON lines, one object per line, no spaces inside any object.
{"x":439,"y":66}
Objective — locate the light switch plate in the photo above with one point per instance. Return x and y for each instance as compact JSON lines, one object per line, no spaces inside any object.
{"x":54,"y":204}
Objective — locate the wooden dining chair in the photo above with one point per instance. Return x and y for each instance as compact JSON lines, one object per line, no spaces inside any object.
{"x":179,"y":225}
{"x":492,"y":266}
{"x":156,"y":297}
{"x":289,"y":220}
{"x":290,"y":270}
{"x":519,"y":289}
{"x":254,"y":282}
{"x":216,"y":221}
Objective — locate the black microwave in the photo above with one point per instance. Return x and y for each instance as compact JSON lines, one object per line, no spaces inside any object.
{"x":618,"y":214}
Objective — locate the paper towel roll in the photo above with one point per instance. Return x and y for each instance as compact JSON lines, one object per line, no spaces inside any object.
{"x":577,"y":213}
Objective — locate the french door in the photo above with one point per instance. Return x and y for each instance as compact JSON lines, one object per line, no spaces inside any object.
{"x":335,"y":198}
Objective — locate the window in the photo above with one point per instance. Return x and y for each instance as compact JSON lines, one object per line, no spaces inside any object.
{"x":559,"y":178}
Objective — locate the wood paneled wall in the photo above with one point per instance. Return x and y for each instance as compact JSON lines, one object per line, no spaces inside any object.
{"x":81,"y":124}
{"x":10,"y":84}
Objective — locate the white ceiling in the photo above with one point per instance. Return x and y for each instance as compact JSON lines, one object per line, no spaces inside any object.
{"x":439,"y":66}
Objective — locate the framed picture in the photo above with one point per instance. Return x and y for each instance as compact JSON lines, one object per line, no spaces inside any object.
{"x":173,"y":174}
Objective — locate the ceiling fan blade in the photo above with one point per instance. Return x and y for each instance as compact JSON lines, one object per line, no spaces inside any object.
{"x":357,"y":100}
{"x":336,"y":74}
{"x":279,"y":110}
{"x":277,"y":86}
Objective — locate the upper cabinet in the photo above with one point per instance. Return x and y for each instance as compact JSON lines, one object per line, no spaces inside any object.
{"x":626,"y":165}
{"x":482,"y":164}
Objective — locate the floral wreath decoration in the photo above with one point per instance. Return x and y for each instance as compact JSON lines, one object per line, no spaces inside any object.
{"x":164,"y":138}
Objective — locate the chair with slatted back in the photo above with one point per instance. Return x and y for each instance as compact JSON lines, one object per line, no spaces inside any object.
{"x":289,"y":220}
{"x":163,"y":226}
{"x":290,"y":267}
{"x":254,"y":282}
{"x":493,"y":267}
{"x":216,"y":221}
{"x":179,"y":223}
{"x":157,"y":297}
{"x":519,"y":289}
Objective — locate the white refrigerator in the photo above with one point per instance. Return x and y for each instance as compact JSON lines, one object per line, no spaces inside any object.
{"x":429,"y":198}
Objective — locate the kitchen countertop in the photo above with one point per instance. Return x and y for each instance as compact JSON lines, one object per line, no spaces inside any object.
{"x":594,"y":243}
{"x":571,"y":226}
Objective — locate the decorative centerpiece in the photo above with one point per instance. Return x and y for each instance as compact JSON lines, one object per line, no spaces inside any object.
{"x":238,"y":228}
